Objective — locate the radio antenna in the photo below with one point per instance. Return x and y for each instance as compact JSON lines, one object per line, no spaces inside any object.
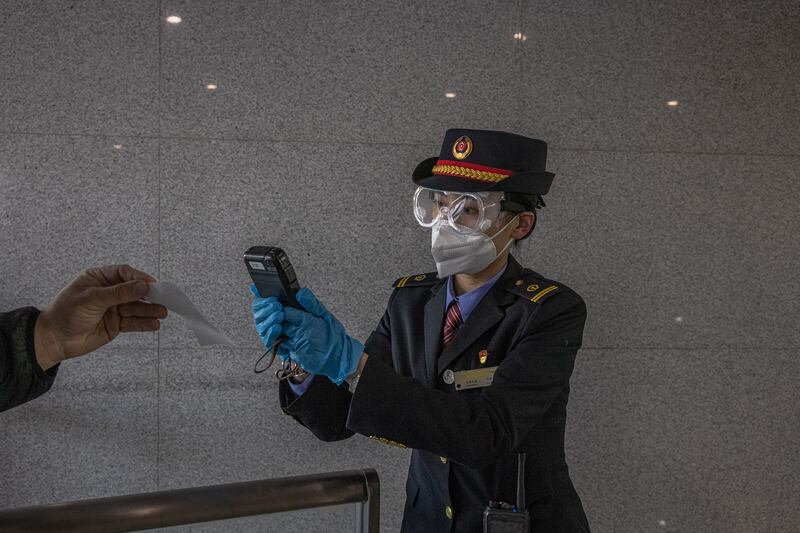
{"x":521,"y":481}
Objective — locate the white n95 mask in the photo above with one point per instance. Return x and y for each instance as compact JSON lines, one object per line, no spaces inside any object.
{"x":464,"y":251}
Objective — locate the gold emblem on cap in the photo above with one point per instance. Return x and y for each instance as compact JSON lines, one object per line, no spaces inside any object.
{"x":483,"y":355}
{"x":420,"y":277}
{"x":462,"y":147}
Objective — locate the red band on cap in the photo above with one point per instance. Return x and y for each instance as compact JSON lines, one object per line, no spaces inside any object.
{"x":471,"y":171}
{"x":473,"y":166}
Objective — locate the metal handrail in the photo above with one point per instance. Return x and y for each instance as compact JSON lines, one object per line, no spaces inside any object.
{"x":137,"y":512}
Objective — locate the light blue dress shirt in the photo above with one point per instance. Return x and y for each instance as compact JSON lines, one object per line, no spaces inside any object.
{"x":469,"y":300}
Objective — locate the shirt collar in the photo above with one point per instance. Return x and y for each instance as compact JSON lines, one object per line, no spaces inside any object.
{"x":469,"y":300}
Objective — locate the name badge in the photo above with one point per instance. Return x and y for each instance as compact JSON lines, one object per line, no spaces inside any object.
{"x":473,"y":379}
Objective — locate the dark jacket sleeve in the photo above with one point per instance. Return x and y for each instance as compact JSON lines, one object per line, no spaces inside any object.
{"x":476,"y":429}
{"x":21,"y":377}
{"x":324,"y":406}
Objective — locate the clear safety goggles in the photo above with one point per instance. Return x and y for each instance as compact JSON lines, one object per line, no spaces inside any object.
{"x":464,"y":211}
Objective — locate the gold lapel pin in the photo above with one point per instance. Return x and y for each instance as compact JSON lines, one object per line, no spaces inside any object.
{"x":483,"y":355}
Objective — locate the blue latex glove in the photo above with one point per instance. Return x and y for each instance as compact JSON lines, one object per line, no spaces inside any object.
{"x":318,"y":341}
{"x":268,"y":313}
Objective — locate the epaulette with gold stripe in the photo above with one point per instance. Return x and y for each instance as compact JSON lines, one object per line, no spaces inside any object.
{"x":417,"y":280}
{"x":534,"y":289}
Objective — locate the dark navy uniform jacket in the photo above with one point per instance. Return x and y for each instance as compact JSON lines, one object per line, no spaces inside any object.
{"x":21,"y":377}
{"x":465,"y":442}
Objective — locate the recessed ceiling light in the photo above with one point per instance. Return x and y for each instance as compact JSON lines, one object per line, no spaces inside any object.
{"x":679,"y":320}
{"x":211,"y":86}
{"x":662,"y":523}
{"x":117,"y":146}
{"x":449,"y":95}
{"x":174,"y":19}
{"x":672,"y":103}
{"x":520,"y":36}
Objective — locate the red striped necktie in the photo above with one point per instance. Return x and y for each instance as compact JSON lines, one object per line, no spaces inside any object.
{"x":451,"y":322}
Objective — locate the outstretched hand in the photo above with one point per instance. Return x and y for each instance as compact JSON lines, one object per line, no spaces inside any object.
{"x":92,"y":310}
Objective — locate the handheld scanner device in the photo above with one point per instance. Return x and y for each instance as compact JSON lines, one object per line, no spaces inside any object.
{"x":272,"y":273}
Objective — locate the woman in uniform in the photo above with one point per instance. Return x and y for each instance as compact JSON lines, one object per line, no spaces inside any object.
{"x":469,"y":365}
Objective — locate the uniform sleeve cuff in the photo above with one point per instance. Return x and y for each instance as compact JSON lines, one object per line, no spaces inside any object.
{"x":300,"y":388}
{"x":378,"y":345}
{"x":30,"y":341}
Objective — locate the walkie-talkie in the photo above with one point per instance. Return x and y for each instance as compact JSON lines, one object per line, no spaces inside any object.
{"x":501,"y":517}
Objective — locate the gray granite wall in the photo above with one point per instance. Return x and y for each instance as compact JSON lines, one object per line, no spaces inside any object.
{"x":678,"y":225}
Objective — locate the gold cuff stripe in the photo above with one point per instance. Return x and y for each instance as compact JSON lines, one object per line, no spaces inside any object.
{"x":387,"y":441}
{"x":470,"y":173}
{"x":541,"y":293}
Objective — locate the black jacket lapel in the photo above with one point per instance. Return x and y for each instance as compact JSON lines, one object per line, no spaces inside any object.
{"x":434,"y":321}
{"x":488,"y":312}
